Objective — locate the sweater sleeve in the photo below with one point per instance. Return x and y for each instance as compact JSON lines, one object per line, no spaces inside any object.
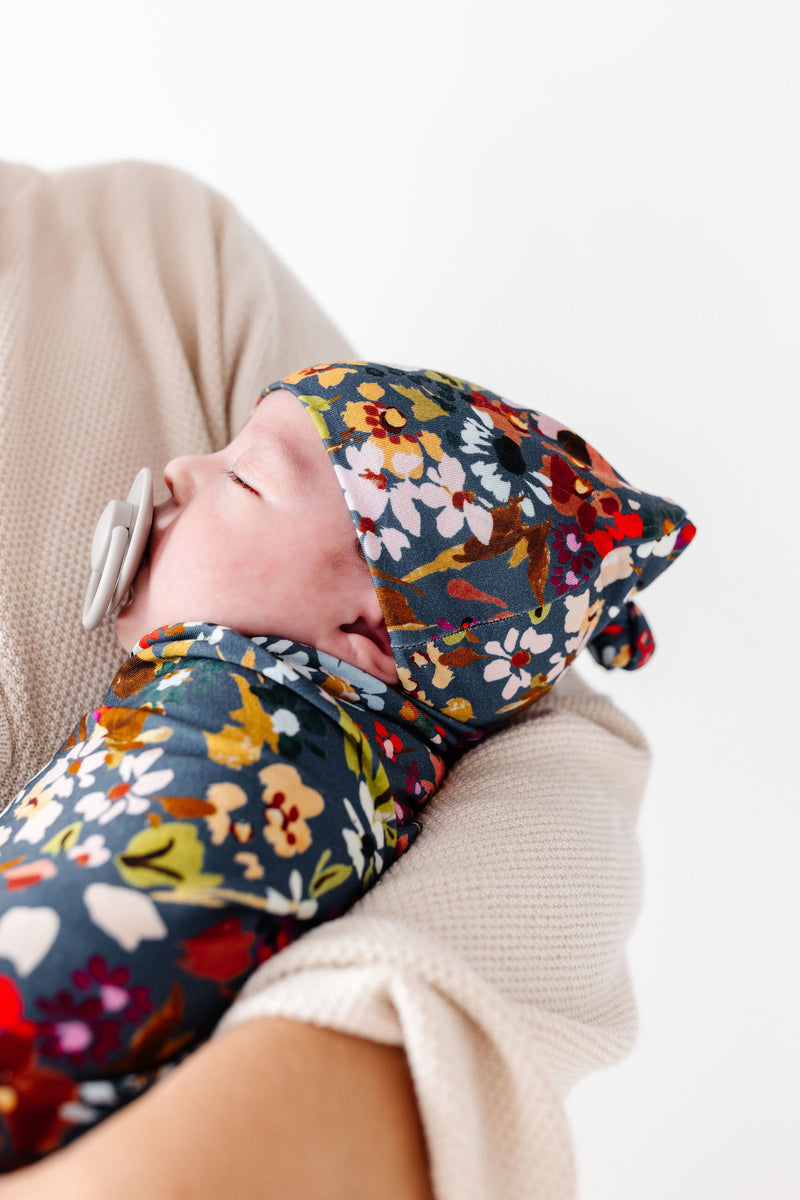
{"x":493,"y":952}
{"x":140,"y":318}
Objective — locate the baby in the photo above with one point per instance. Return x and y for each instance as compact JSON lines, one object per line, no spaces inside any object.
{"x":380,"y":567}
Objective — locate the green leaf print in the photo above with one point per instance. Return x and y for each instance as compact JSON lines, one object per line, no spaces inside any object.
{"x":65,"y":839}
{"x":170,"y":854}
{"x":360,"y":760}
{"x":325,"y":877}
{"x":315,"y":407}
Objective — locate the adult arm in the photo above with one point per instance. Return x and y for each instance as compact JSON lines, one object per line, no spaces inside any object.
{"x":273,"y":1108}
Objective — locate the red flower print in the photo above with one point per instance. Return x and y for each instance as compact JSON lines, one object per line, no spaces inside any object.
{"x":623,"y":525}
{"x":220,"y":953}
{"x":12,"y":1019}
{"x":390,"y":743}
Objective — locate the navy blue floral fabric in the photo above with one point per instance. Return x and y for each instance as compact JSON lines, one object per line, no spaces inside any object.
{"x":500,"y":542}
{"x":230,"y":793}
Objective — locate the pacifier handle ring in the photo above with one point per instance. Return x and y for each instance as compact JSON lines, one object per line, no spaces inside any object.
{"x":103,"y":581}
{"x":118,"y":546}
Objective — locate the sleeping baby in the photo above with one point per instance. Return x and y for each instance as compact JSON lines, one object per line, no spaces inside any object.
{"x":383,"y":565}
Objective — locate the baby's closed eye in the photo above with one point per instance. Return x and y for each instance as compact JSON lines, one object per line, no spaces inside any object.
{"x":237,"y":479}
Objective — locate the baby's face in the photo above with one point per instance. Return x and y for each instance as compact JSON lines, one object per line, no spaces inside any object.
{"x":257,"y":537}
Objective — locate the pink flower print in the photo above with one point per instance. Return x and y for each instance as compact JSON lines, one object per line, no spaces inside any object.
{"x":366,"y":491}
{"x":363,"y":481}
{"x":402,"y":499}
{"x":513,"y":659}
{"x":575,"y":556}
{"x":373,"y":539}
{"x":72,"y":1037}
{"x":88,"y":1026}
{"x":447,"y":492}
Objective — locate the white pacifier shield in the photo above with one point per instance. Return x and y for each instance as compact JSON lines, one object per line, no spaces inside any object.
{"x":118,"y":545}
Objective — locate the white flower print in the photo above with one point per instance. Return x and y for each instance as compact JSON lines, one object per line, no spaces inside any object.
{"x":284,"y":721}
{"x":137,"y":782}
{"x":373,"y":539}
{"x":356,"y":839}
{"x":39,"y":814}
{"x":174,"y":679}
{"x":288,"y":667}
{"x":27,"y":936}
{"x":661,"y":547}
{"x":282,"y":905}
{"x":127,"y":916}
{"x":447,"y":492}
{"x":91,"y":852}
{"x":478,"y":438}
{"x":582,"y":618}
{"x":617,"y":564}
{"x":492,"y":480}
{"x":356,"y":685}
{"x":513,"y":659}
{"x":77,"y":764}
{"x":558,"y":668}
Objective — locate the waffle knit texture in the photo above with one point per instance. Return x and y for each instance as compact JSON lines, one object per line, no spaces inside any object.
{"x":139,"y":318}
{"x":495,"y":959}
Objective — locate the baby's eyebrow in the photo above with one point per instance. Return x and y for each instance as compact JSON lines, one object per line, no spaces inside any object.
{"x":281,"y":444}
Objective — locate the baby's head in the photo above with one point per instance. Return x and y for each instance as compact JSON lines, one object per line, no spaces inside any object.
{"x":492,"y":542}
{"x":258,"y":537}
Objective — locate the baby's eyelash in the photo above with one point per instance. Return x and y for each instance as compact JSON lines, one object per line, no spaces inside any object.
{"x":238,"y":480}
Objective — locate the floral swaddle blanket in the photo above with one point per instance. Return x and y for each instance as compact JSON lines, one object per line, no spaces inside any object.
{"x":231,"y":793}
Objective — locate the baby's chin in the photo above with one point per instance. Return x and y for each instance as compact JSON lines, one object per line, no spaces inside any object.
{"x":132,"y":617}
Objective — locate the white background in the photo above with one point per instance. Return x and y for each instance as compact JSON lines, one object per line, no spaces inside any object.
{"x":594,"y":207}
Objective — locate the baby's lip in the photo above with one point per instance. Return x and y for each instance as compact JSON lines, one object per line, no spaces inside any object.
{"x":163,"y":516}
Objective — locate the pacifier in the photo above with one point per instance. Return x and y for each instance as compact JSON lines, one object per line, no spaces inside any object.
{"x":118,"y":546}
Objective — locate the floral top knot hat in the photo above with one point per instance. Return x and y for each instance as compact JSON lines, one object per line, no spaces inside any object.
{"x":499,"y":541}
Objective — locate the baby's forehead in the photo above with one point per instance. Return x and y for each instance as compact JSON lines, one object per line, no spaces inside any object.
{"x":281,"y":440}
{"x":280,"y":427}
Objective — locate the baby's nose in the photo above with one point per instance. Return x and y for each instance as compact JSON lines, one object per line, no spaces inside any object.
{"x":180,"y":476}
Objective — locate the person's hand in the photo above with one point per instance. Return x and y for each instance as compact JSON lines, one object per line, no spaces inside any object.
{"x":273,"y":1108}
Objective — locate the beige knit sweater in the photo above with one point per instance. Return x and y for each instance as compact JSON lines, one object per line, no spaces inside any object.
{"x":139,"y":318}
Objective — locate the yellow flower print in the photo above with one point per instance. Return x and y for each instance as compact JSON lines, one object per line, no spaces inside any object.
{"x":363,"y":416}
{"x":370,"y":391}
{"x":288,"y":801}
{"x":328,"y":374}
{"x":253,"y":869}
{"x":125,"y":730}
{"x":240,"y":745}
{"x":442,"y":674}
{"x":409,"y":685}
{"x":458,"y":708}
{"x":341,"y":689}
{"x":226,"y":798}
